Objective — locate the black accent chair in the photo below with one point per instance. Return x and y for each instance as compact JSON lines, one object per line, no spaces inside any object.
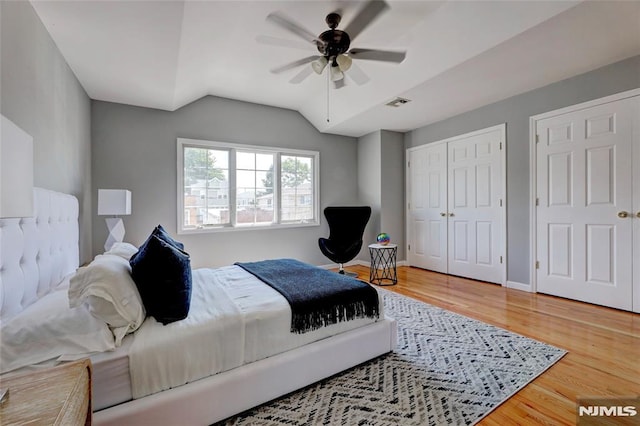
{"x":346,"y":226}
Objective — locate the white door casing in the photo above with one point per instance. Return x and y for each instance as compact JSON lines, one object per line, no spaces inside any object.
{"x":584,"y":225}
{"x":456,"y":213}
{"x":636,"y":206}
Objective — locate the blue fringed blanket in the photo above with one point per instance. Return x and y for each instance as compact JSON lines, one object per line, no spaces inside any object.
{"x":317,"y":297}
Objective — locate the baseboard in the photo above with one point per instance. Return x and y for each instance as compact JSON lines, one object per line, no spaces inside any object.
{"x":519,"y":286}
{"x":336,"y":266}
{"x":359,"y":263}
{"x":368,"y":264}
{"x":510,"y":284}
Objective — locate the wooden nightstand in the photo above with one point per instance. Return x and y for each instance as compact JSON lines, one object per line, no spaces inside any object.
{"x":56,"y":396}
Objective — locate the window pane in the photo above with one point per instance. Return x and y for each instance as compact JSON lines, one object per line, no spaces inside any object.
{"x":264,"y":181}
{"x":254,"y":189}
{"x":245,"y":160}
{"x":220,"y":158}
{"x":206,"y":187}
{"x":296,"y":175}
{"x":245,"y":178}
{"x":264,"y":161}
{"x":245,"y":197}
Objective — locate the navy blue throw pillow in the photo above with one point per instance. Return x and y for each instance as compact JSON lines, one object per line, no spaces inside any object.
{"x":162,"y":233}
{"x":162,"y":273}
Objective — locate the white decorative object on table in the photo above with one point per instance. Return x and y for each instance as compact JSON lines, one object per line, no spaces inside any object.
{"x":116,"y":202}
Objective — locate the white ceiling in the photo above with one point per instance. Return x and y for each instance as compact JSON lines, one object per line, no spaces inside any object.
{"x":460,"y":54}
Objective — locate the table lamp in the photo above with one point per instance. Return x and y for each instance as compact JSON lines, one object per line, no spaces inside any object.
{"x":114,"y":202}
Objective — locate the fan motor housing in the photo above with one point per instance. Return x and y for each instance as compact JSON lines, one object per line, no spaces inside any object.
{"x":334,"y":43}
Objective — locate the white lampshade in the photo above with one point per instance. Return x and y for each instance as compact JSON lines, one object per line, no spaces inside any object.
{"x":336,"y":74}
{"x":344,"y":62}
{"x":114,"y":202}
{"x":16,"y":171}
{"x":319,"y":64}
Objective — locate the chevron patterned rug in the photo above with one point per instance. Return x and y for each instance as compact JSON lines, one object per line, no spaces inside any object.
{"x":447,"y":370}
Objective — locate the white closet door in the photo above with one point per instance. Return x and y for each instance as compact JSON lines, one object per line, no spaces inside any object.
{"x":455,"y":217}
{"x":584,"y":217}
{"x":427,"y":208}
{"x":475,"y":214}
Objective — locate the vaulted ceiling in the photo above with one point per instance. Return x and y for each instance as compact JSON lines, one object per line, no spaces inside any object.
{"x":460,"y":54}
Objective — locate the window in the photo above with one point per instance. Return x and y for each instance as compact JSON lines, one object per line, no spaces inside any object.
{"x":296,"y":184}
{"x":206,"y":182}
{"x":223,"y":186}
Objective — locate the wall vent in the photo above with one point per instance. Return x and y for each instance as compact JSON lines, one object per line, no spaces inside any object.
{"x":397,"y":102}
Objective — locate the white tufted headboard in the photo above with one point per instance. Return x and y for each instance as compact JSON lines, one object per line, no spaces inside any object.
{"x":36,"y":253}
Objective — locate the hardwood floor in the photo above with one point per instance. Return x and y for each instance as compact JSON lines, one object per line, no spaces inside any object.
{"x":603,"y":343}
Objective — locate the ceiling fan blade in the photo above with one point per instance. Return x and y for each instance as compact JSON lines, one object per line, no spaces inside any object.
{"x":281,"y":42}
{"x":299,"y":78}
{"x":365,"y":16}
{"x":378,"y":55}
{"x":286,"y":23}
{"x":294,"y":64}
{"x":357,"y":75}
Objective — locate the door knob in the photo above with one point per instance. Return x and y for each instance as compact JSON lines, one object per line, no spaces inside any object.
{"x":450,"y":214}
{"x":444,"y":214}
{"x":638,"y":214}
{"x":623,"y":214}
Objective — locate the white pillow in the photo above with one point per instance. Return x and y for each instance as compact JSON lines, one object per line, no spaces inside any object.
{"x":109,"y":292}
{"x":124,"y":250}
{"x":48,"y":329}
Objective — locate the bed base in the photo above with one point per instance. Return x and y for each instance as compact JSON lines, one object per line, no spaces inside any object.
{"x":223,"y":395}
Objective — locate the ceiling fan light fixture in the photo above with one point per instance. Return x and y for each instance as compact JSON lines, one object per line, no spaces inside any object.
{"x":319,"y":65}
{"x":344,"y":62}
{"x":336,"y":74}
{"x":334,"y":45}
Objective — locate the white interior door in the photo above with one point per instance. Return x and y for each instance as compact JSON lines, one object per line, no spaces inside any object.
{"x":427,"y":230}
{"x":584,"y":228}
{"x":456,"y":215}
{"x":475,"y":212}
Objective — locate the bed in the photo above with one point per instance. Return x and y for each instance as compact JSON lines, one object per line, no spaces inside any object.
{"x":39,"y":255}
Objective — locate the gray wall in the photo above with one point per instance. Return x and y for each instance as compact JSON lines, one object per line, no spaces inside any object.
{"x":135,"y":148}
{"x":392,"y":218}
{"x":381,"y":186}
{"x":369,"y":181}
{"x":515,"y":111}
{"x":41,"y":95}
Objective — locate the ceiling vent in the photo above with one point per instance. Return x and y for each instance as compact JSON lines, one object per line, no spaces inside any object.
{"x":397,"y":102}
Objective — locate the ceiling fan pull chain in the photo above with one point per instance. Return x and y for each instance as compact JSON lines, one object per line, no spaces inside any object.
{"x":328,"y":91}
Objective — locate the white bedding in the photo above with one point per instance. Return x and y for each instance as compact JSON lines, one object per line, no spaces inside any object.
{"x":110,"y":377}
{"x":234,"y":319}
{"x":49,"y":331}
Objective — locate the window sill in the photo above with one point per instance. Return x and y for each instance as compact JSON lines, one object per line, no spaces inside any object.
{"x":216,"y":229}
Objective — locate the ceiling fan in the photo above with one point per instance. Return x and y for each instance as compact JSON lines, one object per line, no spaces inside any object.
{"x":333,"y":46}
